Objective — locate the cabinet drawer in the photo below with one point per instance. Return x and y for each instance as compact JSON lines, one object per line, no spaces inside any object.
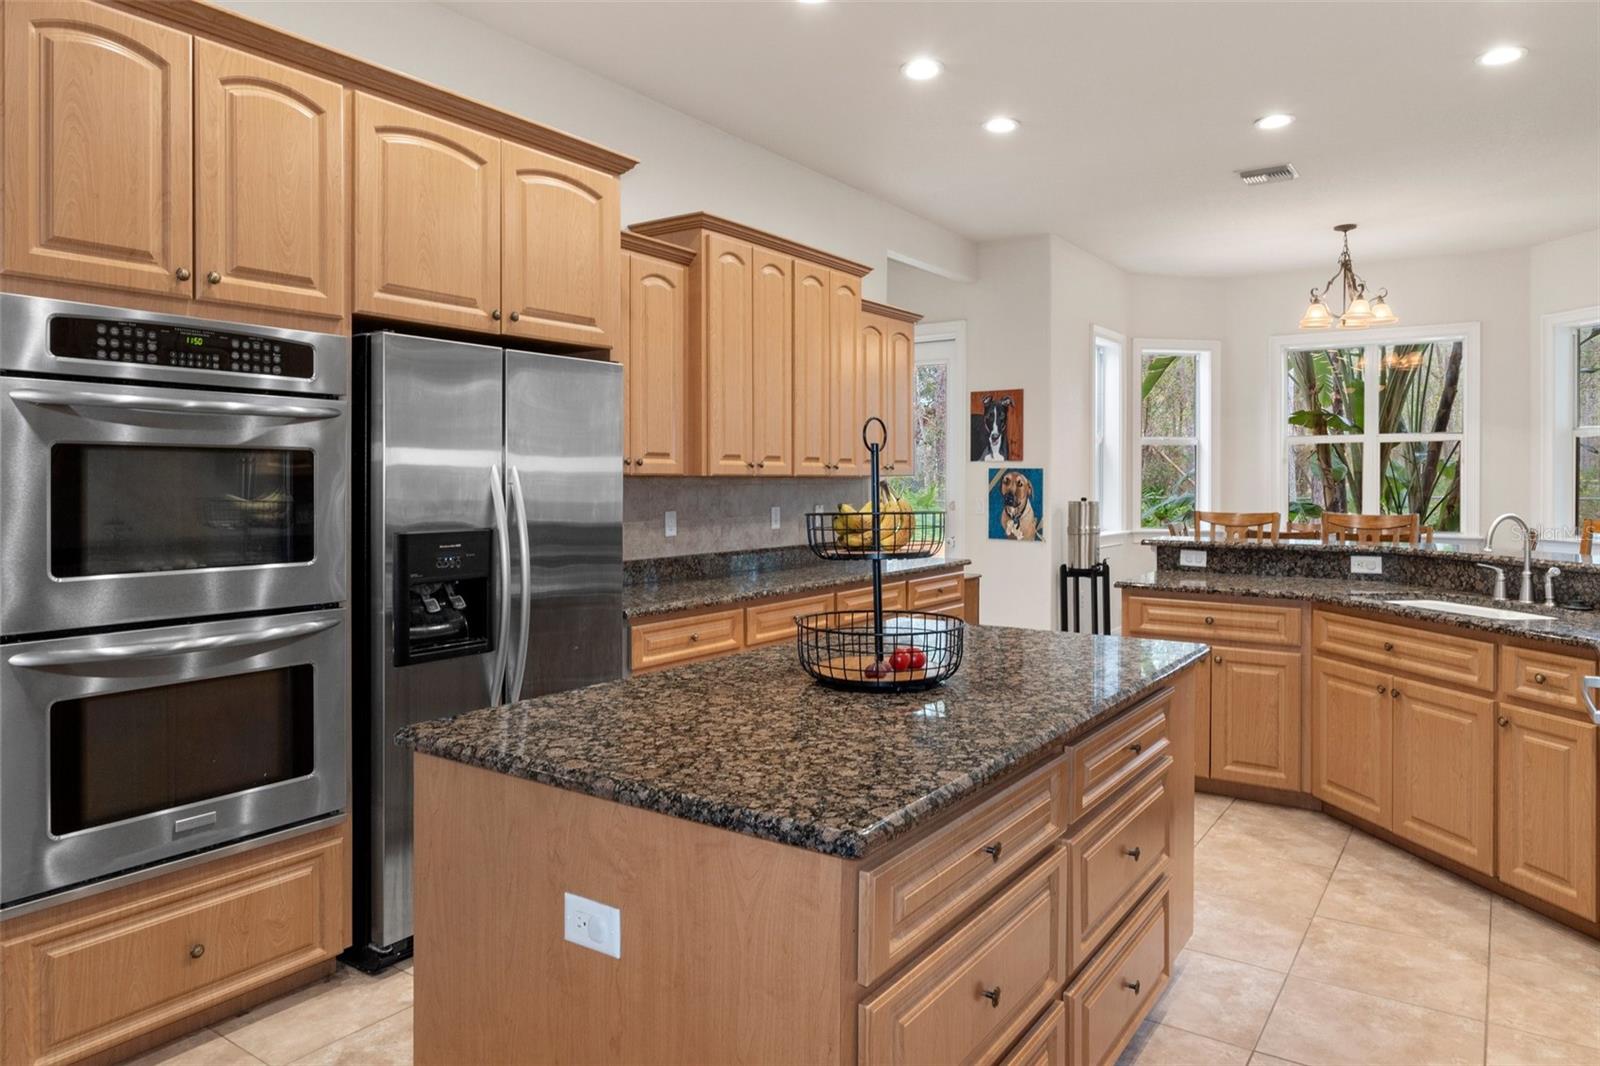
{"x":772,"y":622}
{"x":1114,"y":860}
{"x":682,"y":640}
{"x":927,"y":593}
{"x":1230,"y":623}
{"x":1420,"y":653}
{"x":95,"y":980}
{"x":1117,"y":753}
{"x":1544,"y":678}
{"x":970,"y":997}
{"x":918,"y":893}
{"x":860,"y":599}
{"x":1045,"y":1044}
{"x":1115,"y":991}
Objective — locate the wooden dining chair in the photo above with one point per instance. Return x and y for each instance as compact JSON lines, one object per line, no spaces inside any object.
{"x":1372,"y":528}
{"x":1591,"y":526}
{"x":1237,"y":525}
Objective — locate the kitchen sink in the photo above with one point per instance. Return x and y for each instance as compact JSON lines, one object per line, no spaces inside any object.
{"x":1472,"y":610}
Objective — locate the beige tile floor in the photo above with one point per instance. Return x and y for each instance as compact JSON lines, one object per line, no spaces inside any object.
{"x":1314,"y":945}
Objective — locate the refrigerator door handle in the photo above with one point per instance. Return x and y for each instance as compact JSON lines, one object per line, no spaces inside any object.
{"x":496,"y":495}
{"x":520,"y":653}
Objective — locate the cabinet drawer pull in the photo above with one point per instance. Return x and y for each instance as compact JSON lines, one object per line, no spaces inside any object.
{"x":1502,"y":721}
{"x":1395,"y":693}
{"x":993,"y":851}
{"x":1538,"y":679}
{"x":1131,"y":986}
{"x":1210,"y":620}
{"x":197,"y":951}
{"x":495,"y":314}
{"x":1136,"y":748}
{"x":182,"y":273}
{"x":1132,"y":853}
{"x":992,"y":995}
{"x":1388,"y":645}
{"x":693,"y":637}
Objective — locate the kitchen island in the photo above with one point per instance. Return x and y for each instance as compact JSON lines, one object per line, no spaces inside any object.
{"x":1002,"y":865}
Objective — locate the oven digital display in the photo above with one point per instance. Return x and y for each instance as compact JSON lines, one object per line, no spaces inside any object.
{"x":153,"y":344}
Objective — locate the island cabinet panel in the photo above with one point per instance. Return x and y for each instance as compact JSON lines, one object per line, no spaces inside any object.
{"x":1418,"y":652}
{"x":1115,"y":858}
{"x":772,"y":364}
{"x":1543,"y":678}
{"x":427,"y":218}
{"x":726,"y":366}
{"x":907,"y":901}
{"x":1045,"y":1044}
{"x":270,"y":227}
{"x":813,"y":370}
{"x":1546,"y":797}
{"x":1119,"y":753}
{"x":1107,"y":1001}
{"x":1228,"y":623}
{"x":653,"y":353}
{"x":849,"y":455}
{"x":974,"y":994}
{"x":1255,"y":717}
{"x":1352,"y":745}
{"x":99,"y":155}
{"x":1444,"y":771}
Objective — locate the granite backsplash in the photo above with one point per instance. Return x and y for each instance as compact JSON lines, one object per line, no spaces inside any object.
{"x":724,"y":515}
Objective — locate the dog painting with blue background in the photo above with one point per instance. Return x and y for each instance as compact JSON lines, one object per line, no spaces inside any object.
{"x":1016,"y":503}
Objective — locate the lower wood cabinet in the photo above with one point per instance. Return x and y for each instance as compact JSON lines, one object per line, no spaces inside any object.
{"x":1546,"y":770}
{"x":1045,"y":1044}
{"x":1255,"y":717}
{"x":683,"y":640}
{"x":1352,"y":740}
{"x":1106,"y":1002}
{"x":1444,"y":771}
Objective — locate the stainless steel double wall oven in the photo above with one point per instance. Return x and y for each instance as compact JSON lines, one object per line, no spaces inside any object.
{"x":174,"y":523}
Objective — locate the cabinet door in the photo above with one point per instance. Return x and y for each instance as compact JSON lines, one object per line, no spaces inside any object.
{"x":98,"y":148}
{"x":900,"y":391}
{"x":726,"y":366}
{"x":1546,"y":795}
{"x":1352,"y":728}
{"x":657,"y":333}
{"x":845,"y":417}
{"x":871,"y":365}
{"x":1444,"y":771}
{"x":427,"y":218}
{"x":620,"y":354}
{"x":269,"y":184}
{"x":559,"y":255}
{"x":772,"y":363}
{"x":1255,"y":717}
{"x":813,"y":389}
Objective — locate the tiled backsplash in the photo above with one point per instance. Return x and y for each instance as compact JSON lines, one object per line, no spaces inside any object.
{"x":724,"y":514}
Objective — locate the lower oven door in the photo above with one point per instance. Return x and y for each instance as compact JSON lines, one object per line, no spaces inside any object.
{"x":118,"y":750}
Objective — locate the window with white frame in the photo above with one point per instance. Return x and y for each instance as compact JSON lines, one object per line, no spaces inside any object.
{"x":1108,"y":423}
{"x":1382,"y":426}
{"x":1174,"y":433}
{"x":1583,"y":384}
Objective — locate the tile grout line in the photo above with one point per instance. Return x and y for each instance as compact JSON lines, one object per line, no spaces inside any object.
{"x":1488,"y":982}
{"x":320,"y":1047}
{"x":355,"y":1032}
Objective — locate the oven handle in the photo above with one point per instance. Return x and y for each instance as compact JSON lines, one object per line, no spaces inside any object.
{"x":161,"y":649}
{"x":164,"y":405}
{"x":496,"y":495}
{"x":520,"y":670}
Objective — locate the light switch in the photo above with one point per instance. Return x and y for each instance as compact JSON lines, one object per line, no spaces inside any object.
{"x":777,"y":518}
{"x":672,"y":523}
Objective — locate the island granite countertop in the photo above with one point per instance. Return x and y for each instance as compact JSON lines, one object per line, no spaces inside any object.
{"x":644,"y":598}
{"x":752,"y":744}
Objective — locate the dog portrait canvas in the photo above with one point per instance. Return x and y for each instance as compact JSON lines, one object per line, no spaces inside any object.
{"x":1016,"y":503}
{"x":997,"y":426}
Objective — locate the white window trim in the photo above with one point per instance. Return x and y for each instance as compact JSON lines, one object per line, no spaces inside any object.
{"x":1110,"y":477}
{"x":1207,"y":417}
{"x":1471,"y":424}
{"x":1559,"y":413}
{"x":958,"y":424}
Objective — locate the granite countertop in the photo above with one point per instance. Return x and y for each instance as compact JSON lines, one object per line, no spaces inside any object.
{"x":1509,"y":552}
{"x":642,"y":598}
{"x":1577,"y":628}
{"x":752,"y":744}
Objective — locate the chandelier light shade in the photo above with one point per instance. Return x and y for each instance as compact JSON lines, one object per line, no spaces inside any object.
{"x":1357,"y":312}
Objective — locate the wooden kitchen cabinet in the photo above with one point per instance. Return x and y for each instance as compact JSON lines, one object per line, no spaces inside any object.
{"x":849,"y":454}
{"x":726,"y":365}
{"x":427,"y":218}
{"x":871,"y":365}
{"x":269,"y":184}
{"x":1444,"y":771}
{"x":652,"y":348}
{"x":888,"y":344}
{"x":1352,"y":745}
{"x":559,"y":256}
{"x":1255,"y":717}
{"x":772,"y":363}
{"x":1545,"y":765}
{"x":99,"y":163}
{"x":813,"y":394}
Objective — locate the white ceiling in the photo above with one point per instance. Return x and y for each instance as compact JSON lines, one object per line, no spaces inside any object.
{"x":1135,"y":116}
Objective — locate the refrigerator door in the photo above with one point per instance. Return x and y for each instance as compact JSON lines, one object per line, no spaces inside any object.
{"x":564,"y":470}
{"x":433,"y":437}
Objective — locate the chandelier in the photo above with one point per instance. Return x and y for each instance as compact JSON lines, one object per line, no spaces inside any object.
{"x":1358,"y":311}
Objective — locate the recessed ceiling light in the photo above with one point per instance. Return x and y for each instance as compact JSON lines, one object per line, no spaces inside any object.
{"x":811,"y":1}
{"x":1501,"y":54}
{"x":1001,"y":124}
{"x":1275,"y":121}
{"x":922,"y":68}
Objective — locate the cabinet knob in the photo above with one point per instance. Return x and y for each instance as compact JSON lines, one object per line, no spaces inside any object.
{"x":1216,"y":658}
{"x":993,"y":851}
{"x":214,"y":278}
{"x":992,"y":995}
{"x":626,"y":462}
{"x":516,"y":316}
{"x":1210,"y":620}
{"x":495,"y":314}
{"x":1395,"y":693}
{"x":1502,"y":721}
{"x":638,"y":462}
{"x":1132,"y":853}
{"x":751,"y":465}
{"x":1538,"y":679}
{"x":694,"y":638}
{"x":183,"y":274}
{"x":1381,"y":687}
{"x":1131,"y":986}
{"x":1136,"y":748}
{"x":1388,"y":645}
{"x":761,"y":465}
{"x":197,"y":951}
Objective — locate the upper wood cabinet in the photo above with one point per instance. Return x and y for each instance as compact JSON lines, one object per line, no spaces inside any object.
{"x":844,"y":356}
{"x":871,"y":364}
{"x":270,"y":193}
{"x":772,"y":363}
{"x":652,"y":348}
{"x":559,"y":252}
{"x":726,"y":366}
{"x":813,"y":371}
{"x":427,"y":218}
{"x":888,"y":340}
{"x":1546,"y":795}
{"x":98,"y":150}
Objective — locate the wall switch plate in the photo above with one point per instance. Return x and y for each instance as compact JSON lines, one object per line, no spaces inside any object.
{"x":777,"y":518}
{"x":1366,"y":564}
{"x":1192,"y":558}
{"x":672,"y":523}
{"x":593,"y":925}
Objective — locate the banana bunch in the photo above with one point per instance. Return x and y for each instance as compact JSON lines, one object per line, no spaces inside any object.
{"x":853,"y":525}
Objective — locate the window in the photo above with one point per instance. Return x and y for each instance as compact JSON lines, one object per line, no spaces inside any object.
{"x":1381,"y":427}
{"x":1585,"y":384}
{"x":1570,"y":454}
{"x":1108,"y":427}
{"x":1174,"y":436}
{"x":935,"y":483}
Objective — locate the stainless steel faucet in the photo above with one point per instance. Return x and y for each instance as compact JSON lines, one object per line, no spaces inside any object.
{"x":1526,"y":594}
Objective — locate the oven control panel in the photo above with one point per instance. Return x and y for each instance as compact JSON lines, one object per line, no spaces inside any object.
{"x":110,"y":340}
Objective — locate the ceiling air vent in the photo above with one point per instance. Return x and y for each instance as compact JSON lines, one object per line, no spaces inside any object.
{"x":1269,"y":175}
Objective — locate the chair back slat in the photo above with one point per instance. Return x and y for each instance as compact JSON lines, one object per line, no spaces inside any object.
{"x":1374,"y":529}
{"x":1237,"y":525}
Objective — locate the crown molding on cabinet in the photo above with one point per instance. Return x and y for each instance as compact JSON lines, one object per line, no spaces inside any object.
{"x":900,"y":314}
{"x":700,"y":220}
{"x":672,"y":253}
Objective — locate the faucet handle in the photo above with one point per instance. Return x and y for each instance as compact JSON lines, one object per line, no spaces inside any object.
{"x":1499,"y":580}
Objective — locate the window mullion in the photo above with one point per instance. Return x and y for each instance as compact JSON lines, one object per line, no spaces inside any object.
{"x":1371,"y":479}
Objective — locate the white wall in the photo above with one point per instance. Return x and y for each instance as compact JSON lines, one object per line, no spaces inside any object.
{"x":684,"y":164}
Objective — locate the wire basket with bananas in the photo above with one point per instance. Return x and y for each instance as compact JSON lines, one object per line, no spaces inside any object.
{"x":894,"y":531}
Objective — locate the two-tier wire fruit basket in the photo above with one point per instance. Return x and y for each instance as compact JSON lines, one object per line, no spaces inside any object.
{"x":878,"y":650}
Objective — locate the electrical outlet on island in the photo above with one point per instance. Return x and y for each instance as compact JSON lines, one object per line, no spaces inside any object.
{"x":1366,"y":564}
{"x":1192,"y":558}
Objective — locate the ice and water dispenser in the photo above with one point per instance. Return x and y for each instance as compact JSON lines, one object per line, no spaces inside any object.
{"x":445,"y":581}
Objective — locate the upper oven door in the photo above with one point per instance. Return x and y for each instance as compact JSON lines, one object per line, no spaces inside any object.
{"x":122,"y":749}
{"x":124,"y":504}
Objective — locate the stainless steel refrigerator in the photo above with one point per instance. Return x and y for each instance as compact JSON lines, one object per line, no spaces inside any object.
{"x":488,"y":565}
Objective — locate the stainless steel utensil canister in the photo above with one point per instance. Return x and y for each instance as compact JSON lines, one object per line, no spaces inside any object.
{"x":1083,"y":533}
